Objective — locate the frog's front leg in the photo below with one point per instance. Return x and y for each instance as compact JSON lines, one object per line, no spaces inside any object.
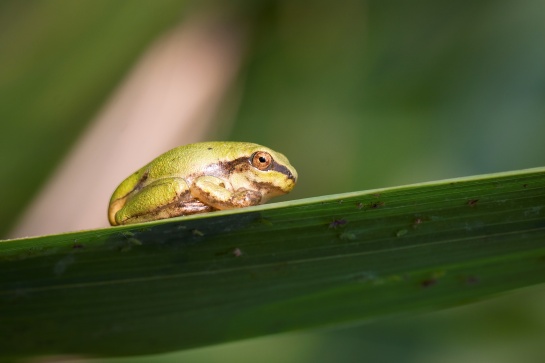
{"x":164,"y":198}
{"x":214,"y":192}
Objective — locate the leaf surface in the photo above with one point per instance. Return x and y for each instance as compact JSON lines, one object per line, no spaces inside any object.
{"x":206,"y":279}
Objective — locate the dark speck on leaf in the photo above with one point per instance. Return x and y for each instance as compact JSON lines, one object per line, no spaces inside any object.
{"x":209,"y":148}
{"x":77,"y":246}
{"x":377,"y":204}
{"x":428,"y":282}
{"x":337,"y":223}
{"x":472,"y":280}
{"x":472,"y":202}
{"x":524,"y":186}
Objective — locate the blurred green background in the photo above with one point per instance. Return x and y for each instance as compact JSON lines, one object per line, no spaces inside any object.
{"x":358,"y":94}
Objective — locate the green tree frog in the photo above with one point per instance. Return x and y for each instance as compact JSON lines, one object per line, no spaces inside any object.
{"x":200,"y":178}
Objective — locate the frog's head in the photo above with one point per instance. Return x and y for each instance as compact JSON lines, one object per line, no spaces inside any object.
{"x":263,"y":170}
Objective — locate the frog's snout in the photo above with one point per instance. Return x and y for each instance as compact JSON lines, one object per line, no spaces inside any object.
{"x":291,"y":173}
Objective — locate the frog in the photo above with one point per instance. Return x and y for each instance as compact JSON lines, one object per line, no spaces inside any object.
{"x":200,"y":178}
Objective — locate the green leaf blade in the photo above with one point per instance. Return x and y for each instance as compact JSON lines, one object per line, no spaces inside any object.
{"x":208,"y":279}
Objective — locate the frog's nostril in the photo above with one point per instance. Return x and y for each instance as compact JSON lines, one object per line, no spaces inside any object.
{"x":291,"y":176}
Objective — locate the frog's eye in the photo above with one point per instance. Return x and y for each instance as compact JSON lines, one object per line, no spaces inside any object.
{"x":262,"y":160}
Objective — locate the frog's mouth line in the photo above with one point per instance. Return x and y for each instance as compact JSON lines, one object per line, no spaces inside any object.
{"x":282,"y":169}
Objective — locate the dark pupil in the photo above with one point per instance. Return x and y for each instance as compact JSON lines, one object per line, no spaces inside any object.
{"x":262,"y":159}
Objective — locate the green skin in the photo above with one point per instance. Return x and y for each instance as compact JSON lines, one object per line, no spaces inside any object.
{"x":200,"y":178}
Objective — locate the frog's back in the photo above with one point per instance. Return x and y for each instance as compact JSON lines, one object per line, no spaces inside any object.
{"x":197,"y":159}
